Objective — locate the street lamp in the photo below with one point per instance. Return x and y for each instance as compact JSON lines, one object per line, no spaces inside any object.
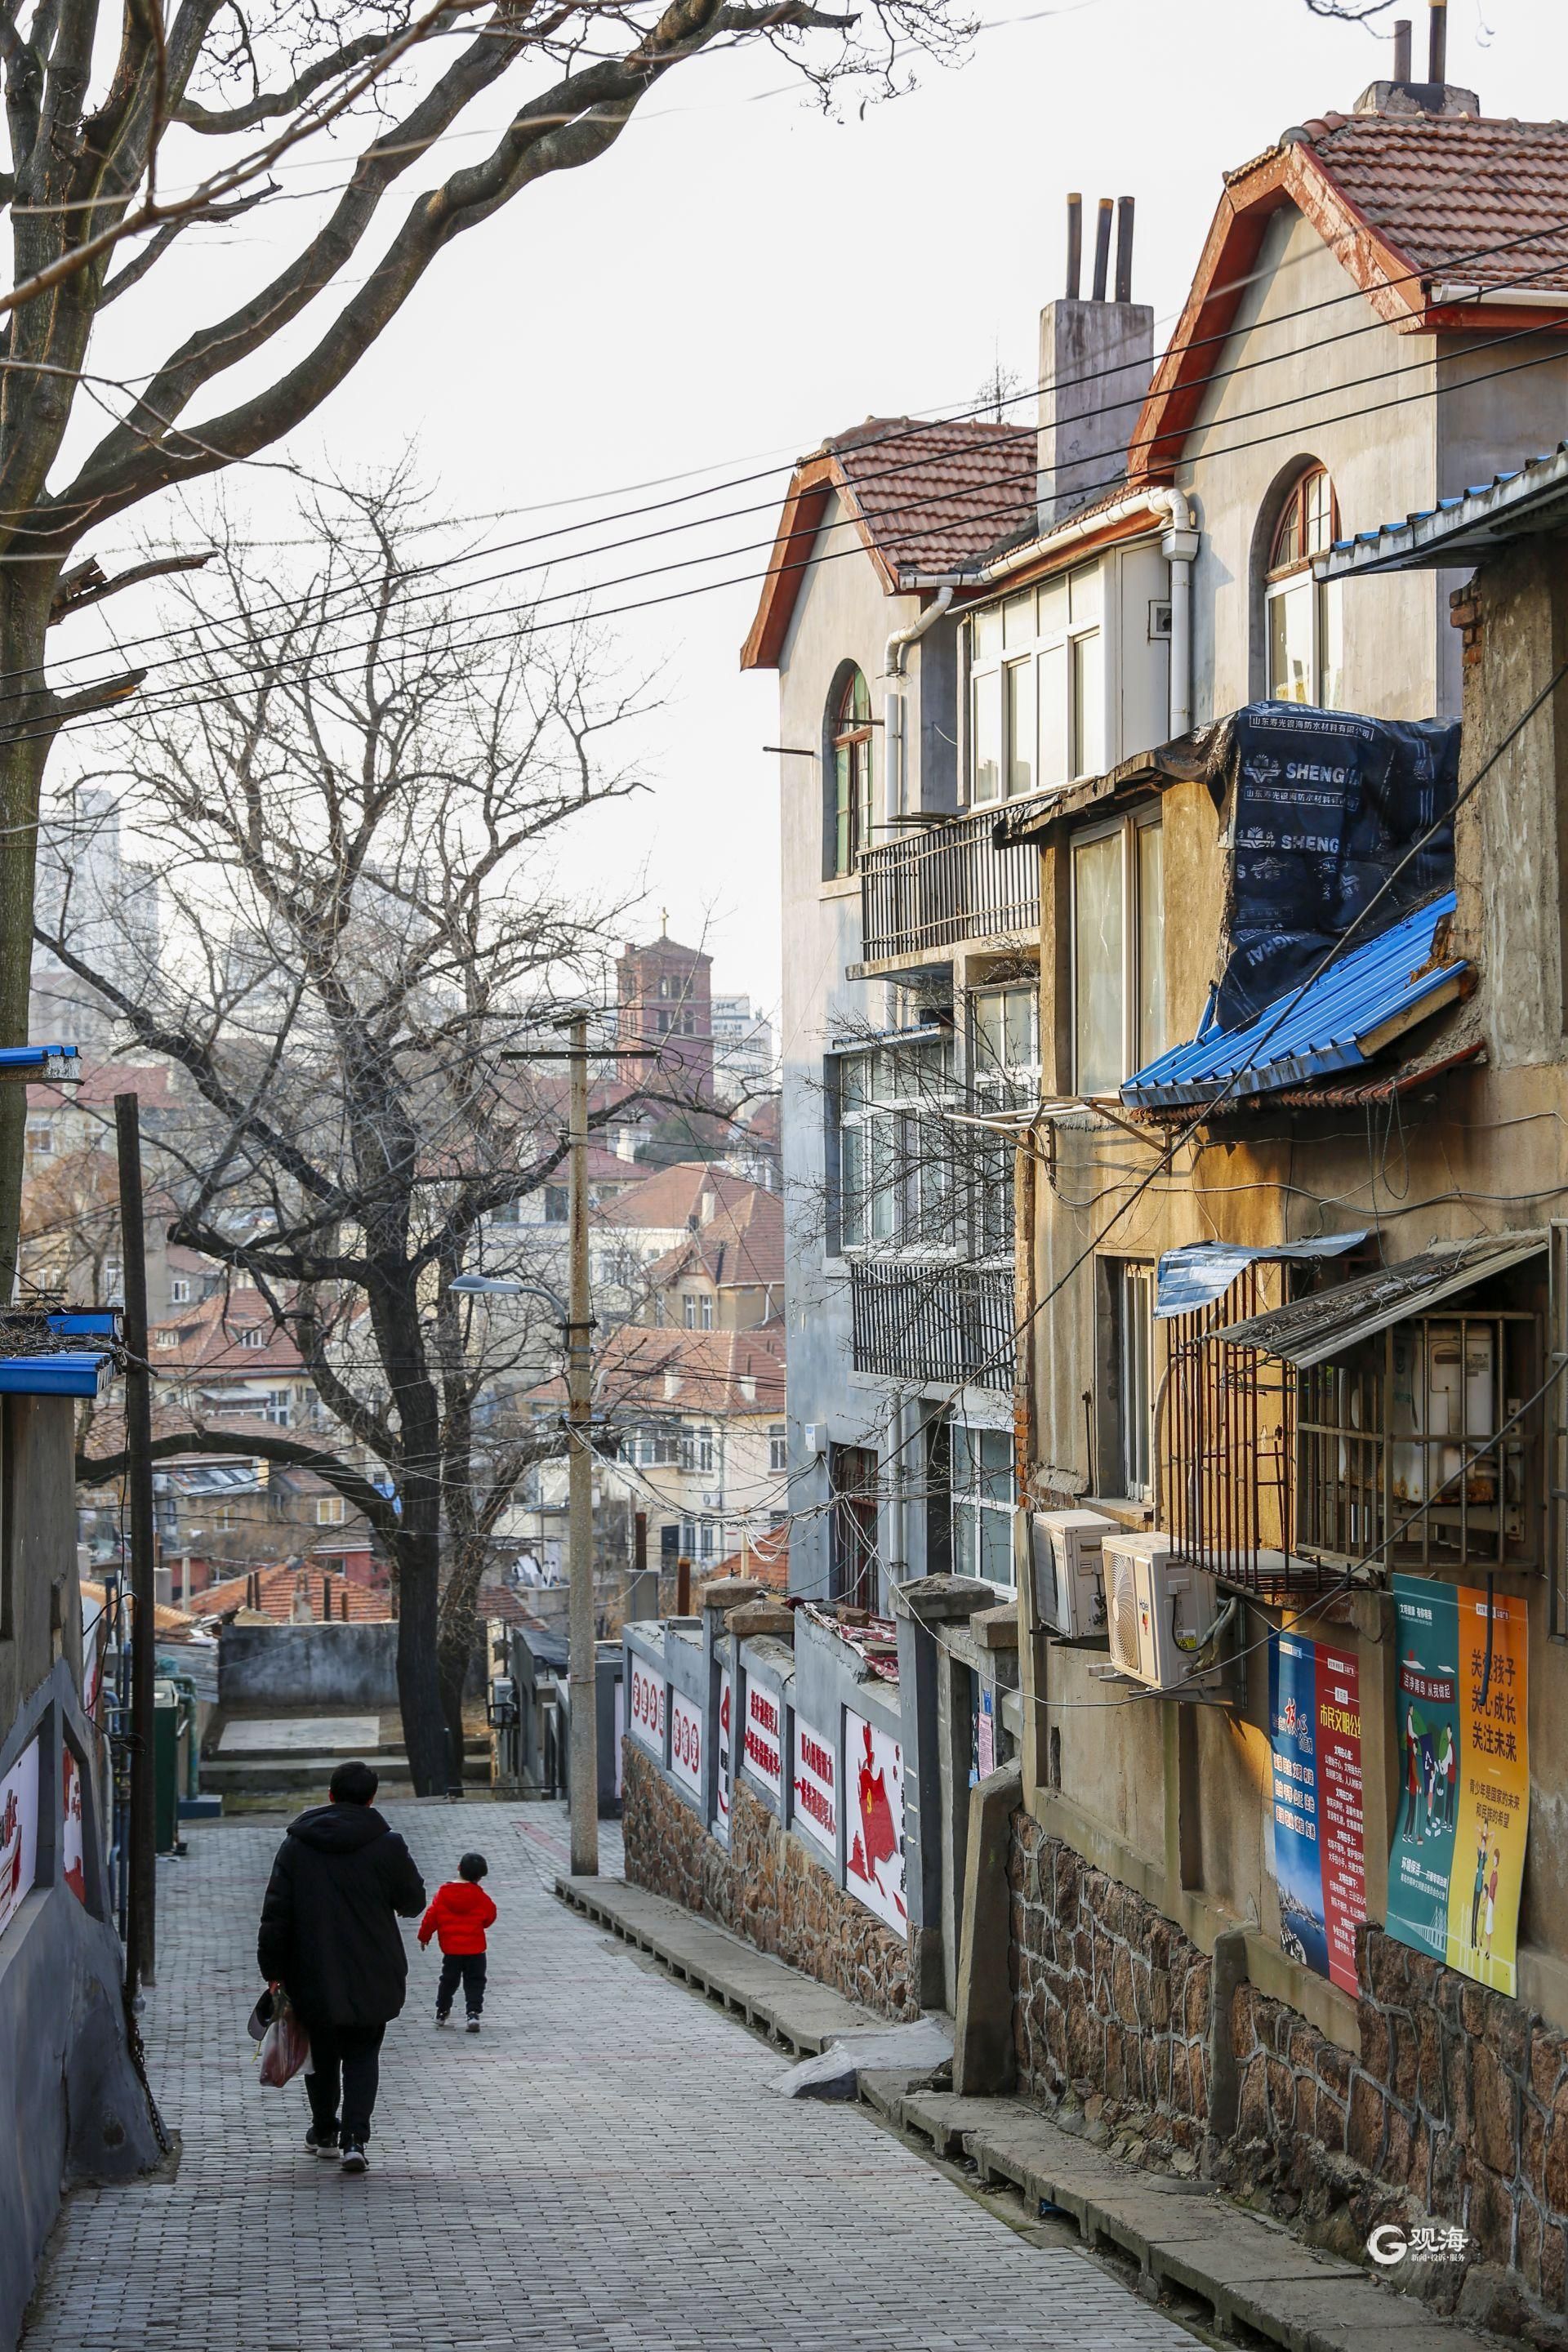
{"x":505,"y":1285}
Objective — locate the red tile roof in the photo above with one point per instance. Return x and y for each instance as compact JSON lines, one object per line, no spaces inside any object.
{"x":741,"y":1247}
{"x":923,"y":498}
{"x":366,"y":1603}
{"x":101,"y":1081}
{"x":1406,"y":203}
{"x":206,"y":1337}
{"x":1443,"y":192}
{"x":634,"y":1367}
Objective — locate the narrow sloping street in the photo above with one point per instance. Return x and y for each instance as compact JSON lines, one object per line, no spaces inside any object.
{"x":603,"y":2168}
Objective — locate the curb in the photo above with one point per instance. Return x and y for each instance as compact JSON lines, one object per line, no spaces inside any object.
{"x":1183,"y":2234}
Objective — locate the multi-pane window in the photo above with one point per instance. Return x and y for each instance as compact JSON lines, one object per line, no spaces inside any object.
{"x":1118,"y":952}
{"x":981,"y":1468}
{"x":697,"y":1450}
{"x":894,"y":1150}
{"x":1005,"y":1075}
{"x":696,"y":1308}
{"x":778,"y":1448}
{"x":851,"y":816}
{"x":329,"y":1510}
{"x":1302,"y":615}
{"x":1038,"y":687}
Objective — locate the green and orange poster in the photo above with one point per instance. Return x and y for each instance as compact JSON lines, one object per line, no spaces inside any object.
{"x":1458,"y":1862}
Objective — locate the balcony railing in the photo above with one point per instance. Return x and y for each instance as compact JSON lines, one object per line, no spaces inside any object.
{"x":930,"y":1323}
{"x":933,"y":888}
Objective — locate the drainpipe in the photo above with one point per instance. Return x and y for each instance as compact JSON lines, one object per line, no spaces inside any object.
{"x":1179,"y":546}
{"x":895,"y":744}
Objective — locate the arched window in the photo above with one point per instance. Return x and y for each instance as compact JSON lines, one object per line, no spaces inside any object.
{"x":1302,"y":615}
{"x":850,"y":813}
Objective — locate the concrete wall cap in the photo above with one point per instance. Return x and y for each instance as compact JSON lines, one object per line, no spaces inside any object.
{"x":729,"y":1591}
{"x":755,"y":1617}
{"x":938,"y":1596}
{"x":996,"y":1629}
{"x":765,"y":1655}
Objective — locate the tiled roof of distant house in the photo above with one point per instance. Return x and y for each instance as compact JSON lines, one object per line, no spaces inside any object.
{"x":645,"y":1369}
{"x":351,"y":1601}
{"x":207,"y":1336}
{"x":741,"y":1247}
{"x":920,"y":498}
{"x":1443,"y":221}
{"x":101,"y":1081}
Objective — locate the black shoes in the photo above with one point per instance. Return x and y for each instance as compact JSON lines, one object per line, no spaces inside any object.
{"x":355,"y":2157}
{"x":473,"y":2025}
{"x":322,"y":2143}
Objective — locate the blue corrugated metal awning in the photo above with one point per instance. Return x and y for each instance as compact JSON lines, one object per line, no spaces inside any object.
{"x":1337,"y":1022}
{"x":1465,"y":529}
{"x":86,"y":1323}
{"x":1186,"y":1279}
{"x":68,"y":1373}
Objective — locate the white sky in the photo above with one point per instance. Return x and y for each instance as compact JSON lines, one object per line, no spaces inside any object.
{"x":738,"y":277}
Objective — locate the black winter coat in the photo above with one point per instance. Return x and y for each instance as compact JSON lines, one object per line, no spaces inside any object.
{"x":329,"y":1924}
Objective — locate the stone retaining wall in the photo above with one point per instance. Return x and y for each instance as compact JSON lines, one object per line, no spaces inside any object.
{"x":1455,"y":2110}
{"x":765,"y":1887}
{"x":1111,"y":2002}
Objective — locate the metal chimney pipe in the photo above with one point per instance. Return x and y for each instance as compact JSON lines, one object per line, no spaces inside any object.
{"x":1402,"y":49}
{"x":1075,"y":245}
{"x":1101,"y":248}
{"x":1124,"y":250}
{"x":1438,"y":43}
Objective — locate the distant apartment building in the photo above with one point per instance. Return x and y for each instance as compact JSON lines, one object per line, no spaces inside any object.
{"x":665,"y":1001}
{"x":743,"y":1064}
{"x":101,"y":904}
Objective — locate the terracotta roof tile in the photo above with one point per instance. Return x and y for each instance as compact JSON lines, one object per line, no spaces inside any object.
{"x":933,"y":497}
{"x":1442,"y":190}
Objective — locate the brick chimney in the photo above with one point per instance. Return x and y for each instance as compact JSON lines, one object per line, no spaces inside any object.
{"x":1096,"y":359}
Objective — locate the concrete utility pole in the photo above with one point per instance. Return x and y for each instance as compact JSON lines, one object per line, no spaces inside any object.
{"x":583,"y":1663}
{"x":141,"y":1943}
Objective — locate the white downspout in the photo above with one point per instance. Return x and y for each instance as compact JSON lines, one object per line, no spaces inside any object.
{"x":1179,"y":546}
{"x":894,"y":737}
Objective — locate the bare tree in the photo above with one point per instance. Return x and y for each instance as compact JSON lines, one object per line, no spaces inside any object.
{"x":103,"y":182}
{"x":355,"y":849}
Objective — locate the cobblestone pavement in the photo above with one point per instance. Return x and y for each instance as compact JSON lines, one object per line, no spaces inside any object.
{"x":602,"y":2170}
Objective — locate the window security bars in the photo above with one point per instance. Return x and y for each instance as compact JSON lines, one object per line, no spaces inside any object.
{"x":934,"y":1323}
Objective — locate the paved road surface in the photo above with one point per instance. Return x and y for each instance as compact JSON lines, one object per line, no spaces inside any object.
{"x":602,"y":2170}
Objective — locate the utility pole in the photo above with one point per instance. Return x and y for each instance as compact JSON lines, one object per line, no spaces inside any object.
{"x":582,"y":1656}
{"x":141,"y":1938}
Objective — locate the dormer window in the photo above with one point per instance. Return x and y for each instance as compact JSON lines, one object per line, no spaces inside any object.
{"x":1302,"y":615}
{"x":1038,"y":687}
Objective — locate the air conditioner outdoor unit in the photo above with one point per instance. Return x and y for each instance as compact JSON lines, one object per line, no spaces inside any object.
{"x":1070,"y":1597}
{"x":1155,"y":1603}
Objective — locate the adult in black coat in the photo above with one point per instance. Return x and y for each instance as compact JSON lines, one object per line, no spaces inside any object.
{"x":329,"y":1937}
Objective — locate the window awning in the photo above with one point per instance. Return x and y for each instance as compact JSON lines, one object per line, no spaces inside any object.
{"x":1365,"y":1000}
{"x":1186,"y":1279}
{"x":1312,"y":1329}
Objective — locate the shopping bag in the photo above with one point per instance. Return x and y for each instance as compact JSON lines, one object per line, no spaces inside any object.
{"x":260,"y":2016}
{"x":285,"y":2047}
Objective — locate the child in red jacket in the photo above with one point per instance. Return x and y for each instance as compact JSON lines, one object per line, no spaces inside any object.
{"x":458,"y":1918}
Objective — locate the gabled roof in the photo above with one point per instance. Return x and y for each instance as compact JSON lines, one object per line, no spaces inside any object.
{"x":741,"y":1248}
{"x":1443,"y":221}
{"x":922,"y":499}
{"x":207,"y":1337}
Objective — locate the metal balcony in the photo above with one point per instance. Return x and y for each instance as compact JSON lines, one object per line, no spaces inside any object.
{"x":925,"y":1323}
{"x":947,"y":883}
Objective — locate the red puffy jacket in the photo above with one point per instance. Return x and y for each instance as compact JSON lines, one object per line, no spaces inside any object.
{"x":457,"y":1918}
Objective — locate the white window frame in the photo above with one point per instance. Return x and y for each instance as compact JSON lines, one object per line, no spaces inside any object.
{"x":1133,"y":1054}
{"x":1134,"y":1279}
{"x":778,"y":1448}
{"x":1324,"y":626}
{"x":969,"y":1502}
{"x":861,"y":1108}
{"x":1049,"y":635}
{"x":253,"y":1336}
{"x":180,"y":1290}
{"x":330,"y":1511}
{"x":1003,"y":1086}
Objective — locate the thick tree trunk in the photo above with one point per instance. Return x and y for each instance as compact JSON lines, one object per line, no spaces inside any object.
{"x":25,"y":740}
{"x":459,"y":1636}
{"x":418,"y":1690}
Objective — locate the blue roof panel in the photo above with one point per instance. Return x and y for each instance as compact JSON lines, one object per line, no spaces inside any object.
{"x":64,"y":1373}
{"x":1310,"y":1033}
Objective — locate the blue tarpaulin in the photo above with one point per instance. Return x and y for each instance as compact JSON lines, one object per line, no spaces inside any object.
{"x":1186,"y":1279}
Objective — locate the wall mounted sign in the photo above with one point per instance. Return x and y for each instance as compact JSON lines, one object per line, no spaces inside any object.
{"x":816,"y":1778}
{"x":1458,"y":1862}
{"x":726,"y":1765}
{"x":73,"y":1847}
{"x":874,"y":1831}
{"x":762,"y":1754}
{"x":646,"y":1713}
{"x":19,"y":1833}
{"x":1320,"y":1857}
{"x":686,"y":1741}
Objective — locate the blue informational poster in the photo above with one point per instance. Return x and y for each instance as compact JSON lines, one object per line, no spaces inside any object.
{"x":1298,"y":1824}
